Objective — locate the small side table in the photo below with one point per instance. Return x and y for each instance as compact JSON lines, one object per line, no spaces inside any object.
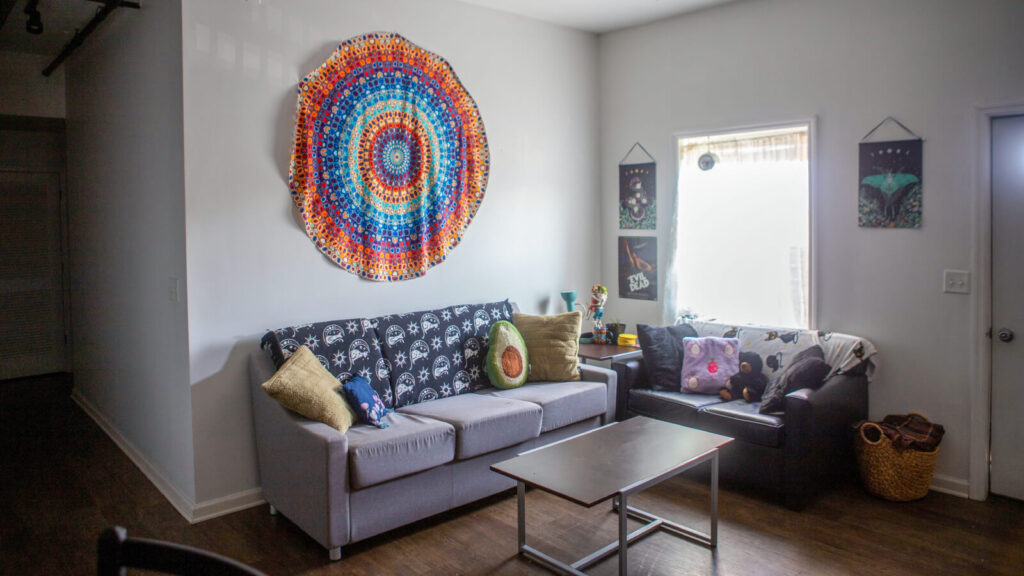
{"x":601,"y":352}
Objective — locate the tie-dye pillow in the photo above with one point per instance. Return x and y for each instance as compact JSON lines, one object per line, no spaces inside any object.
{"x":708,"y":363}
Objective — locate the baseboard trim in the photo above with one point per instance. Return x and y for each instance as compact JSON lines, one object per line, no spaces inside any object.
{"x":208,"y":509}
{"x":183,"y":504}
{"x":192,"y":511}
{"x":950,"y":485}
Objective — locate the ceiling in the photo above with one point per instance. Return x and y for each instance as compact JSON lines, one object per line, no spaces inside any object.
{"x":597,"y":15}
{"x":60,"y":20}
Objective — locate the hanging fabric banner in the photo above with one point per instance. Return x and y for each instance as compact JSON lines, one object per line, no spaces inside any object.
{"x":390,"y":158}
{"x":638,"y":199}
{"x":890,"y":191}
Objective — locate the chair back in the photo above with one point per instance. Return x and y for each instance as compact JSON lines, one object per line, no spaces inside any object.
{"x":116,"y":552}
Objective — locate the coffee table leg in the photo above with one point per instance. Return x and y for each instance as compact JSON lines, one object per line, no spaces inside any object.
{"x":623,"y":535}
{"x":521,"y":505}
{"x":714,"y":501}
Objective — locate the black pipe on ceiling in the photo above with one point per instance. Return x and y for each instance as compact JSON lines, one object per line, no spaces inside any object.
{"x":76,"y":41}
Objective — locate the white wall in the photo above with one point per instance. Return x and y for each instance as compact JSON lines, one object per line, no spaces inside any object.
{"x":24,"y":91}
{"x":251,"y":266}
{"x":127,"y":234}
{"x":850,"y":64}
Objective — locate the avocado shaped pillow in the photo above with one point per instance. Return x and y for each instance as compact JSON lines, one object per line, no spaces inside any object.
{"x":507,"y":359}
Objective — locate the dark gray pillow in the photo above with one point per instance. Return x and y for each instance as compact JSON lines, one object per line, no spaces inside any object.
{"x":807,"y":370}
{"x":663,"y":353}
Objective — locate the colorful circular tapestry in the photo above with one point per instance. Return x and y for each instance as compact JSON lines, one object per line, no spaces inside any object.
{"x":390,"y":161}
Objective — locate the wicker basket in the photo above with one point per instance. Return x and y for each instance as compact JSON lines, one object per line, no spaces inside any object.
{"x":898,"y":475}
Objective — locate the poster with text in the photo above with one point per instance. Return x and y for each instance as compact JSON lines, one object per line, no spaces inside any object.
{"x":638,"y":206}
{"x":890,"y":184}
{"x":638,"y":267}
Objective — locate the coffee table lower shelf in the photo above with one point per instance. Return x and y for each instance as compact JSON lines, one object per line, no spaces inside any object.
{"x":653,"y":524}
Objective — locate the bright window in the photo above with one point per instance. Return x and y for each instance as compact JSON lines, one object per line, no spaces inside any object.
{"x":743,"y":227}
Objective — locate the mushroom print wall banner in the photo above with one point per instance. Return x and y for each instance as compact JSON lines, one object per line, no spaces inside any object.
{"x":390,"y":159}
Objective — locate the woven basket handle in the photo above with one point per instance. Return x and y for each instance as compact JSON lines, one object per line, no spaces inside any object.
{"x":867,"y":425}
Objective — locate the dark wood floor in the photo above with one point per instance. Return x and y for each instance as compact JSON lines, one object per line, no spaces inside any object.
{"x":62,"y":481}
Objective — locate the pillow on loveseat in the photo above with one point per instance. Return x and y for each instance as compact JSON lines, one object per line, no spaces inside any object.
{"x":553,"y":343}
{"x":708,"y":364}
{"x":807,"y":370}
{"x":662,"y":347}
{"x":303,"y":385}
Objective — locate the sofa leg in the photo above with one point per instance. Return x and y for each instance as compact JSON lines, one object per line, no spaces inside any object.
{"x":273,"y":511}
{"x":334,"y":553}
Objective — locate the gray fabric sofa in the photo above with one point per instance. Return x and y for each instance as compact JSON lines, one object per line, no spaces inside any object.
{"x":435,"y":456}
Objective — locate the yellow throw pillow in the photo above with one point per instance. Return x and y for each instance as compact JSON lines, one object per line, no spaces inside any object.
{"x":552,"y":343}
{"x":303,"y":385}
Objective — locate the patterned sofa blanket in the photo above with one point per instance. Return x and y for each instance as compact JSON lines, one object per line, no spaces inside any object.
{"x":777,"y":346}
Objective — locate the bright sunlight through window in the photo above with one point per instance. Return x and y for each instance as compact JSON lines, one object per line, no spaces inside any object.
{"x":744,"y":227}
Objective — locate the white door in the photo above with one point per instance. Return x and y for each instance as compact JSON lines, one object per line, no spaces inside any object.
{"x":31,"y":286}
{"x":1007,"y":464}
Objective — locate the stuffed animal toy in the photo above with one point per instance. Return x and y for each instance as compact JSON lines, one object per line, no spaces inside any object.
{"x":749,"y":382}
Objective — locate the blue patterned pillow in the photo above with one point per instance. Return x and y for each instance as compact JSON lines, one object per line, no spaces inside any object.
{"x":346,"y":348}
{"x":365,"y":402}
{"x":438,"y":353}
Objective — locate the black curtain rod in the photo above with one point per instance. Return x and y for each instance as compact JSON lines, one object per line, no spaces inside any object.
{"x":76,"y":41}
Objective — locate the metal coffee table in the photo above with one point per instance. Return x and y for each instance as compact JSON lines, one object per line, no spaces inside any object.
{"x":615,"y":461}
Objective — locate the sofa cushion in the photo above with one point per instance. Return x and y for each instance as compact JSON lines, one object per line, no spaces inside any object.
{"x":365,"y":402}
{"x":303,"y":385}
{"x":553,"y":343}
{"x":438,"y":353}
{"x":562,"y":403}
{"x":740,"y":419}
{"x":347,"y":348}
{"x":670,"y":406}
{"x":808,"y":370}
{"x":483,"y":423}
{"x":709,"y":363}
{"x":410,"y":444}
{"x":508,"y":362}
{"x":663,"y":353}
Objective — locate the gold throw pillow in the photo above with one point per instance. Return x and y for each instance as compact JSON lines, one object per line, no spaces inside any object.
{"x":552,"y":343}
{"x":303,"y":385}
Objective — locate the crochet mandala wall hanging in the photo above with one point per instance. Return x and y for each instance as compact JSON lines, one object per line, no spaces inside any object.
{"x":390,"y":159}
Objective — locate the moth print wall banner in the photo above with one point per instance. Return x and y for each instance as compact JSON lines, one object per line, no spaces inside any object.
{"x":890,"y":184}
{"x":390,"y":158}
{"x":638,"y":267}
{"x":638,"y":200}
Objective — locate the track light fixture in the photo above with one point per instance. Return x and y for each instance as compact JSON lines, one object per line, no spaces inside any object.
{"x":35,"y":20}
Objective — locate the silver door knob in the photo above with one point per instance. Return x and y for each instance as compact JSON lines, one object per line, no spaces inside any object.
{"x":1005,"y":335}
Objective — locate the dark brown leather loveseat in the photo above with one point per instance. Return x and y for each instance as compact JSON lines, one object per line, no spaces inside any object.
{"x":792,"y":454}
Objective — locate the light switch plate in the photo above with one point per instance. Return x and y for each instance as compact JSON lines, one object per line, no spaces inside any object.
{"x":174,"y":289}
{"x":956,"y":281}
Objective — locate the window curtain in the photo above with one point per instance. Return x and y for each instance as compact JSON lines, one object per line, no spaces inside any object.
{"x":785,"y":145}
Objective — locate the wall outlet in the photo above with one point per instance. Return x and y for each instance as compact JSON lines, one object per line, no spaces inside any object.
{"x":956,"y":281}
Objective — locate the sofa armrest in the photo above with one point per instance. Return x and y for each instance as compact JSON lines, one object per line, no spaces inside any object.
{"x":303,"y":464}
{"x":609,"y":377}
{"x":632,"y":374}
{"x":817,"y":442}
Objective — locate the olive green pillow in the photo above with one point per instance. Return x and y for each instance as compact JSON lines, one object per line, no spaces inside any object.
{"x":303,"y":385}
{"x":553,"y":343}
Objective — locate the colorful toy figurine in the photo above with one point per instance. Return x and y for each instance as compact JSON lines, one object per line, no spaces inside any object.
{"x":598,"y":296}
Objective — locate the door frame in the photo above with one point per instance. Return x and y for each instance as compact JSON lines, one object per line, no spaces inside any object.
{"x":981,"y":300}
